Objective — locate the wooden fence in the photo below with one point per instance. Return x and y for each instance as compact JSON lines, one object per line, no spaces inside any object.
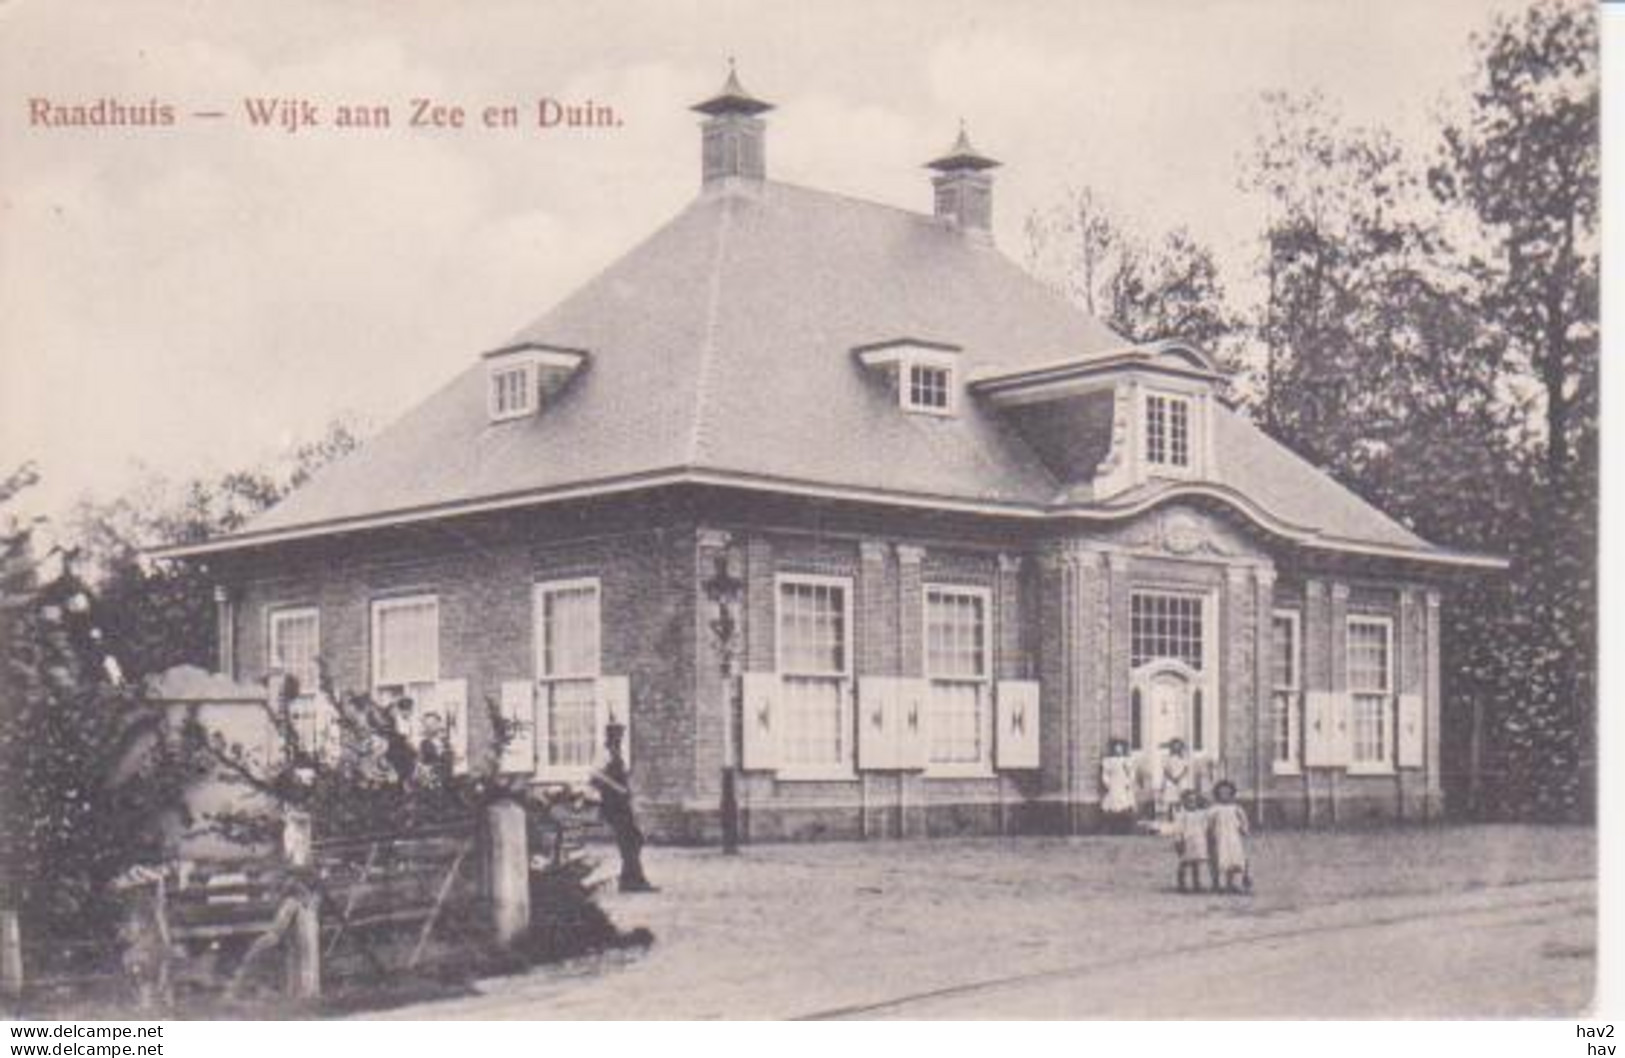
{"x":376,"y":900}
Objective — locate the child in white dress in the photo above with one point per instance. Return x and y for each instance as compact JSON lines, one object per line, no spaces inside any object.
{"x":1117,"y":785}
{"x":1176,"y":777}
{"x":1190,"y":840}
{"x":1227,"y":824}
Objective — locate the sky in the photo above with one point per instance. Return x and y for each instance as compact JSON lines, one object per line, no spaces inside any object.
{"x":195,"y":298}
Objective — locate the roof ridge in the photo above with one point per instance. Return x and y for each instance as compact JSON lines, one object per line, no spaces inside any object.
{"x":823,"y":192}
{"x":708,"y":347}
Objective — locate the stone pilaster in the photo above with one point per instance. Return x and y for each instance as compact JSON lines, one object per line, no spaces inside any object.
{"x":225,"y":631}
{"x":873,"y":615}
{"x":716,"y":728}
{"x":1340,"y":637}
{"x":911,"y":787}
{"x":1092,"y":702}
{"x":1232,"y":742}
{"x":759,"y":605}
{"x":1263,"y":651}
{"x":910,"y":610}
{"x":1010,"y":657}
{"x":1434,"y":703}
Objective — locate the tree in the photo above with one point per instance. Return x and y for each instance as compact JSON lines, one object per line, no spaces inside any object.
{"x":1074,"y":243}
{"x":88,"y":769}
{"x":1145,"y":290}
{"x":162,"y":614}
{"x":1524,"y":160}
{"x":1414,"y":341}
{"x":1360,"y":326}
{"x":1521,"y":163}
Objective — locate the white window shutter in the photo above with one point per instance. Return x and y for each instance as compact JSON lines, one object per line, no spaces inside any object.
{"x":1319,"y":730}
{"x":759,"y":724}
{"x":1016,"y":713}
{"x":518,"y":710}
{"x":878,"y":717}
{"x":1342,"y":729}
{"x":1410,"y":731}
{"x":614,"y":706}
{"x":1328,"y":738}
{"x":451,"y":699}
{"x":911,"y":733}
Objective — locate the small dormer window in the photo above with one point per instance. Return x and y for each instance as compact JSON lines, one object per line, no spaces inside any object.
{"x":513,"y":391}
{"x":1168,"y":431}
{"x":930,"y":388}
{"x":520,"y":378}
{"x":922,"y":374}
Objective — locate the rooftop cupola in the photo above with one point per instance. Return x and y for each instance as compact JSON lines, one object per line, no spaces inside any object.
{"x":732,"y":135}
{"x":964,"y":186}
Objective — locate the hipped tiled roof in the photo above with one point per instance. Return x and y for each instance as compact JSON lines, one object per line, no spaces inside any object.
{"x":720,"y":349}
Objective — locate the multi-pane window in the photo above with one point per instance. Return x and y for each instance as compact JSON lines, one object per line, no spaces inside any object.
{"x":814,"y":644}
{"x":406,"y":656}
{"x":513,"y":391}
{"x":567,"y":668}
{"x":1167,"y":430}
{"x":1166,"y":625}
{"x":929,"y":388}
{"x":956,"y":662}
{"x":295,"y":645}
{"x":1370,"y":678}
{"x":1286,"y":702}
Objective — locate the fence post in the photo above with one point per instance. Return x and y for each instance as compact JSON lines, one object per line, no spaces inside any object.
{"x":507,"y":863}
{"x":11,"y":955}
{"x":302,"y":948}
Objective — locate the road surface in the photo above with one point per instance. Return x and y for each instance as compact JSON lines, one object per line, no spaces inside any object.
{"x":1413,"y":923}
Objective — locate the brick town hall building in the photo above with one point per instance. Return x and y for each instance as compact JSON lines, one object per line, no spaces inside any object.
{"x":966,"y":533}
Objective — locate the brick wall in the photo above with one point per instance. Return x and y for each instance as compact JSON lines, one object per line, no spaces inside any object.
{"x":1060,"y":613}
{"x":484,"y":584}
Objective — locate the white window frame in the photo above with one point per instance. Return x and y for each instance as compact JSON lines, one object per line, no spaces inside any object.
{"x":983,"y":766}
{"x":1383,"y":764}
{"x":274,"y":618}
{"x":1193,"y":432}
{"x":906,"y":386}
{"x":945,"y":363}
{"x":402,"y":602}
{"x":547,"y":681}
{"x":844,"y":768}
{"x":1292,"y":764}
{"x":495,"y":373}
{"x":430,"y":681}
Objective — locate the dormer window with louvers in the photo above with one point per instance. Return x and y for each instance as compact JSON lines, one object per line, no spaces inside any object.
{"x":521,"y":378}
{"x":924,"y":375}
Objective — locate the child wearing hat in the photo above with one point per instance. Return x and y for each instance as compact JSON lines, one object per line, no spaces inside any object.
{"x":1227,"y":823}
{"x":1190,"y":840}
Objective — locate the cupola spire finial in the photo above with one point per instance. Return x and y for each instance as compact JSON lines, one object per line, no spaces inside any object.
{"x":733,"y":133}
{"x":964,"y":187}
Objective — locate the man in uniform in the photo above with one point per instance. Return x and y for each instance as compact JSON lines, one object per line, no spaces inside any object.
{"x":614,"y":787}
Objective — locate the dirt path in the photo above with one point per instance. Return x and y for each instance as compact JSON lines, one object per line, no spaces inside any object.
{"x":1454,"y":922}
{"x":1515,"y":953}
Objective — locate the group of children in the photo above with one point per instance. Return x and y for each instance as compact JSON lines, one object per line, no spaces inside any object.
{"x":1212,"y":835}
{"x":1206,"y":834}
